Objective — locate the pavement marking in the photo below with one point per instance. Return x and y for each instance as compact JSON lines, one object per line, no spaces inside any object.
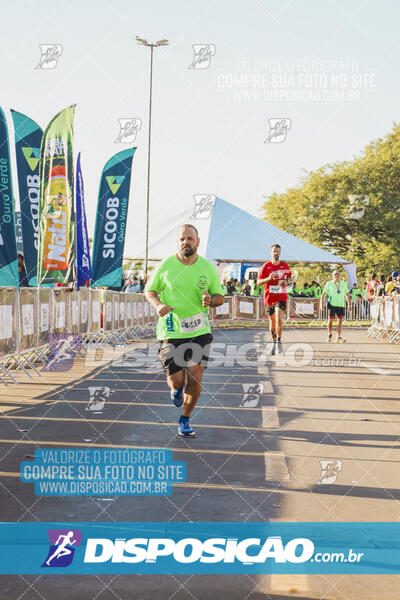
{"x":149,"y":390}
{"x":267,"y":383}
{"x":290,"y":583}
{"x":276,"y":467}
{"x":83,"y":419}
{"x":376,"y":369}
{"x":270,"y":417}
{"x":112,"y":402}
{"x":210,"y":486}
{"x":66,"y":444}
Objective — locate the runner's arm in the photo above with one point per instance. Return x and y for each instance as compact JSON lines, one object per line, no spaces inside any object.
{"x":217,"y":300}
{"x":212,"y":299}
{"x":152,"y":297}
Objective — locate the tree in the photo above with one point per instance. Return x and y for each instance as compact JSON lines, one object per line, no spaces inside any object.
{"x":350,"y":208}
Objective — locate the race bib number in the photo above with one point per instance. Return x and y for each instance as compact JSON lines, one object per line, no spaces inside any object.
{"x":193,"y":323}
{"x":275,"y":289}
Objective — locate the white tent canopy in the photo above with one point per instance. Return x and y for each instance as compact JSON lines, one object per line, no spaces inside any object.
{"x":230,"y":234}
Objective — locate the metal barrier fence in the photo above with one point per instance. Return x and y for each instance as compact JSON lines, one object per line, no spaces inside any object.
{"x":385,"y":319}
{"x":39,"y":325}
{"x":250,"y":308}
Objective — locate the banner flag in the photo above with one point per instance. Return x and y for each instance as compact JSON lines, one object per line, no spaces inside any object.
{"x":28,"y":137}
{"x":56,"y":251}
{"x":83,"y":266}
{"x":112,"y":212}
{"x":8,"y":243}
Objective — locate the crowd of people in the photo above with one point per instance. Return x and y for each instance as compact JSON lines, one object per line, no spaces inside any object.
{"x":384,"y":286}
{"x":250,"y":288}
{"x":374,"y":287}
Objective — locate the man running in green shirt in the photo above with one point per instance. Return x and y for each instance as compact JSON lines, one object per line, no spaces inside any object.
{"x":181,"y":290}
{"x":337,"y":292}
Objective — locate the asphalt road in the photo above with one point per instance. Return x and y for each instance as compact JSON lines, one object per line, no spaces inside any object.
{"x":261,"y":431}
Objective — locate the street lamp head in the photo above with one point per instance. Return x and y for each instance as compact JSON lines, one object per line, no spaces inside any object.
{"x":142,"y":41}
{"x":146,"y":43}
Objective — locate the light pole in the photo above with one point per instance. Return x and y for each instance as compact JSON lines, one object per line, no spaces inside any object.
{"x":151,"y":45}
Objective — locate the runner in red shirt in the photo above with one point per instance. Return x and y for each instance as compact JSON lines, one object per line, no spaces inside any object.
{"x":274,"y":275}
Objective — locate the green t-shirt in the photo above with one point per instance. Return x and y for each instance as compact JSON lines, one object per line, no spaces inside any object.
{"x":336,"y":297}
{"x":181,"y":286}
{"x":317,"y":291}
{"x":355,"y":292}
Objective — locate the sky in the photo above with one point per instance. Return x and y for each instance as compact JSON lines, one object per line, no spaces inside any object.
{"x":327,"y":71}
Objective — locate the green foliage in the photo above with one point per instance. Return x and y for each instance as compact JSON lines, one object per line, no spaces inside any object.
{"x":319,"y":210}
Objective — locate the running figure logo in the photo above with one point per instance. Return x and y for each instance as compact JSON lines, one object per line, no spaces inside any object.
{"x":357,"y":205}
{"x":203,"y":54}
{"x":330,"y":470}
{"x":62,"y":542}
{"x":251,"y":394}
{"x":203,"y":204}
{"x":128,"y":129}
{"x":278,"y":129}
{"x":98,"y":397}
{"x":50,"y":55}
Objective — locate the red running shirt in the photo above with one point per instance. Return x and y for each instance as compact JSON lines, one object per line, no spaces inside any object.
{"x":275,"y":289}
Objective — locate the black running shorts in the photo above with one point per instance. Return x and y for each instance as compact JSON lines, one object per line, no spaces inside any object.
{"x":180,"y":353}
{"x":269,"y":310}
{"x":335,"y":311}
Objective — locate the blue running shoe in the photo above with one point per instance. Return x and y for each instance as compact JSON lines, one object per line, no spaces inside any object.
{"x":177,"y":397}
{"x":184,"y":427}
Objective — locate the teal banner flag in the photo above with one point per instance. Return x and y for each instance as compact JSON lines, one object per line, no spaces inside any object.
{"x":111,"y":219}
{"x":28,"y":137}
{"x":8,"y":242}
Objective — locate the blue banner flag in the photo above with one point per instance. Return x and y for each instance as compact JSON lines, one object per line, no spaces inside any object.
{"x":28,"y":137}
{"x":8,"y":242}
{"x":83,"y":266}
{"x":112,"y":212}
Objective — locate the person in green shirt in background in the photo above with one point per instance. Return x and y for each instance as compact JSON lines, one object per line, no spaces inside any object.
{"x":238,"y":287}
{"x":293,"y":289}
{"x":317,"y":290}
{"x":224,"y":287}
{"x":182,"y":289}
{"x":337,"y":292}
{"x":355,"y":292}
{"x":305,"y":291}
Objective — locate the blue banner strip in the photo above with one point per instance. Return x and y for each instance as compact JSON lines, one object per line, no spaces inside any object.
{"x":199,"y":548}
